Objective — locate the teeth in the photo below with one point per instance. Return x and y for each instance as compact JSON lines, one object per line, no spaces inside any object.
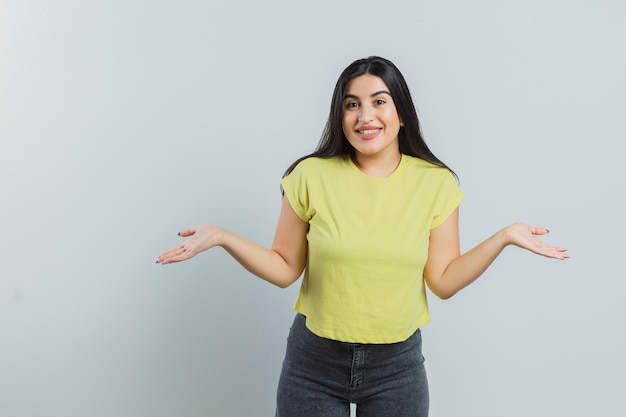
{"x":369,"y":132}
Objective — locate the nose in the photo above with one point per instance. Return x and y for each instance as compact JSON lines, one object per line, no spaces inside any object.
{"x":366,"y":114}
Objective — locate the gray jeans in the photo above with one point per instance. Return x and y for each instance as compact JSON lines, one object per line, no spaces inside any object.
{"x":321,"y":377}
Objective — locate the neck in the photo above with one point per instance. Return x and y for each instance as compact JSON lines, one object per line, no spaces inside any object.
{"x":377,"y":165}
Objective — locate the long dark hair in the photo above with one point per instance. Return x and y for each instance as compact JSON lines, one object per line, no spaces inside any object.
{"x":333,"y":141}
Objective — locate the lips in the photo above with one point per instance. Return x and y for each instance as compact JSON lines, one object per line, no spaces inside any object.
{"x":368,"y":132}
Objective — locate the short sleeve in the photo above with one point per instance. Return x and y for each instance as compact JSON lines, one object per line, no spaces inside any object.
{"x":295,"y":188}
{"x":449,"y":197}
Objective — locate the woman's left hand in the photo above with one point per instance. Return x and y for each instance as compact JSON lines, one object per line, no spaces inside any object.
{"x":525,"y":237}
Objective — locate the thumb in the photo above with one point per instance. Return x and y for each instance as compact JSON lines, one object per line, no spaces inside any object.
{"x":187,"y":232}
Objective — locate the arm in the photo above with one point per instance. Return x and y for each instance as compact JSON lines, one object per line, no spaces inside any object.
{"x":281,"y":265}
{"x":447,"y":271}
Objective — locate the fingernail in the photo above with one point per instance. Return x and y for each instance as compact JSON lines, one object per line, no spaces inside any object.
{"x":178,"y":233}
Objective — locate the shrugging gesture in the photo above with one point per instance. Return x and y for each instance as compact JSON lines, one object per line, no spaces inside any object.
{"x":280,"y":265}
{"x":366,"y":215}
{"x":200,"y":239}
{"x":525,"y":237}
{"x":447,"y":271}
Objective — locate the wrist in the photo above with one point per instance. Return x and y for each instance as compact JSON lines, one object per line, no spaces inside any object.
{"x":504,"y":236}
{"x":220,"y":237}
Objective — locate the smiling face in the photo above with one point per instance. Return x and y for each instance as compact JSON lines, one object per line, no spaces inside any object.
{"x":370,"y":119}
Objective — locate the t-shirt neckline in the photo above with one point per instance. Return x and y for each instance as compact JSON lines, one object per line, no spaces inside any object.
{"x":356,"y":169}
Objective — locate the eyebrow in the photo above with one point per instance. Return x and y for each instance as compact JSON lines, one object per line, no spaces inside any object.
{"x":371,"y":95}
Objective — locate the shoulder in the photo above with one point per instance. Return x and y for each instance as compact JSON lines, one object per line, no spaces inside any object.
{"x":415,"y":165}
{"x":319,"y":165}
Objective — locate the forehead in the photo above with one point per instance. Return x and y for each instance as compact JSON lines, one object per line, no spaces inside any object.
{"x":365,"y":85}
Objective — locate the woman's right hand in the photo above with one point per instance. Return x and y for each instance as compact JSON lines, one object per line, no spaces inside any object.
{"x":200,"y":238}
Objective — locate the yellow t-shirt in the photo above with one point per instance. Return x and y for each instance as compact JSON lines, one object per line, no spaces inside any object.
{"x":367,"y":245}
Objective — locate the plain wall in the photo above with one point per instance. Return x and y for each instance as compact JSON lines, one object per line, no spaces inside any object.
{"x":123,"y":122}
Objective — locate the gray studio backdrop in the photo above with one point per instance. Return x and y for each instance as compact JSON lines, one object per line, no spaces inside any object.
{"x":122,"y":122}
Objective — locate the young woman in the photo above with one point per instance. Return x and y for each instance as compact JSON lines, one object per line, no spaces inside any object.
{"x":370,"y":217}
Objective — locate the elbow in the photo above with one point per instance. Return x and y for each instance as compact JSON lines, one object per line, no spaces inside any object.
{"x":283,"y":284}
{"x":443,"y":287}
{"x":443,"y":293}
{"x":287,"y":281}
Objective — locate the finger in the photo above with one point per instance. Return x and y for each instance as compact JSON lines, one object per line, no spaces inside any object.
{"x":180,"y":253}
{"x":170,"y":253}
{"x":539,"y":231}
{"x":562,"y":253}
{"x":178,"y":258}
{"x":554,"y":252}
{"x":187,"y":232}
{"x":559,"y":254}
{"x":183,"y":253}
{"x":172,"y":259}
